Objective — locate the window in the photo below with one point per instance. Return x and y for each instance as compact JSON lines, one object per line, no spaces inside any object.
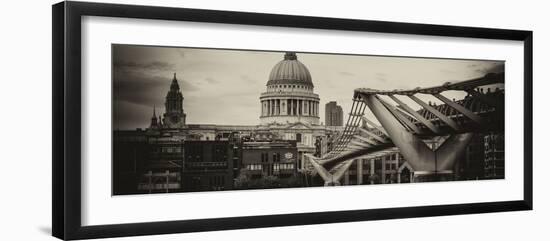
{"x":276,"y":157}
{"x":298,"y":137}
{"x":283,"y":166}
{"x":253,"y":167}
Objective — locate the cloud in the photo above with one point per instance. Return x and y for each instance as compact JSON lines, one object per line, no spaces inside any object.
{"x":181,"y":53}
{"x":248,"y":80}
{"x":126,"y":114}
{"x":211,"y":80}
{"x":382,"y":77}
{"x":447,"y":71}
{"x":345,"y":73}
{"x":148,"y":66}
{"x":144,"y":89}
{"x":497,"y":67}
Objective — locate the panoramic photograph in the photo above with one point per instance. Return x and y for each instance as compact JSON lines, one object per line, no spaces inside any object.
{"x":187,"y":119}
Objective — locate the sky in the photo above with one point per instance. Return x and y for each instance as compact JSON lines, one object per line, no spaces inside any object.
{"x":224,"y":86}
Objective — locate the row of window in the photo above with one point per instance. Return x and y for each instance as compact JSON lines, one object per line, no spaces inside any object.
{"x":494,"y":147}
{"x":179,"y":149}
{"x":265,"y":157}
{"x":216,"y":181}
{"x":494,"y":156}
{"x":391,"y":166}
{"x":254,"y":167}
{"x":283,"y":166}
{"x":290,"y":86}
{"x":168,"y":150}
{"x":276,"y":166}
{"x":391,"y":157}
{"x":197,"y":158}
{"x":305,"y":139}
{"x":206,"y":164}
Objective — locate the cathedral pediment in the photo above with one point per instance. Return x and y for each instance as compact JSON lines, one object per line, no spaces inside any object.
{"x":299,"y":125}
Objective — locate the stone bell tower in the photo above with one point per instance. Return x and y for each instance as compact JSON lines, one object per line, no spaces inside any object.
{"x":174,"y":117}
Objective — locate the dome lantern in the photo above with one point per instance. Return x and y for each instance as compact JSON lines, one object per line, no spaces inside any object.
{"x":290,"y":56}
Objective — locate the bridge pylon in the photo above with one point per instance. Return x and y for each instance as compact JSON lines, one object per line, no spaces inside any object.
{"x":331,"y":177}
{"x":414,"y":150}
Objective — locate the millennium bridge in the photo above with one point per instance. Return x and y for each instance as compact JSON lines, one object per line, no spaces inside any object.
{"x":401,"y":128}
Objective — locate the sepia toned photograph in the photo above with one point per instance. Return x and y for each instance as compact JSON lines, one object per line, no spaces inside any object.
{"x":197,"y":119}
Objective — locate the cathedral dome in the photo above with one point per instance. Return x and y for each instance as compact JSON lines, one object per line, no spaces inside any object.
{"x":290,"y":71}
{"x":289,"y":96}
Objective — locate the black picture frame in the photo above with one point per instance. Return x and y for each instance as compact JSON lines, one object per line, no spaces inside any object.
{"x":66,"y":48}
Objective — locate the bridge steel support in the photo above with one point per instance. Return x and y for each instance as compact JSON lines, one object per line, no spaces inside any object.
{"x":440,"y":115}
{"x":416,"y":115}
{"x":358,"y":143}
{"x":451,"y":150}
{"x":343,"y":169}
{"x":400,"y":116}
{"x":374,"y":125}
{"x":331,"y":179}
{"x":367,"y":140}
{"x":415,"y":151}
{"x":359,"y":169}
{"x":378,"y":138}
{"x":459,"y":108}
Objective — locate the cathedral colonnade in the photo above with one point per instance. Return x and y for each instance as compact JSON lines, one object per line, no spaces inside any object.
{"x":290,"y":107}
